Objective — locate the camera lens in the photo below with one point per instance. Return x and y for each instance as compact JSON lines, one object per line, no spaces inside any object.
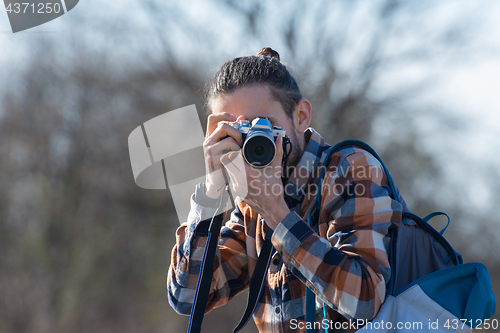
{"x":259,"y":149}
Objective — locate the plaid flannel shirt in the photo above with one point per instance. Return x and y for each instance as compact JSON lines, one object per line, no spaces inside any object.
{"x":346,"y":264}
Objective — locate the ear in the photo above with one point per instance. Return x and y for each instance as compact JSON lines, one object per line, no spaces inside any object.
{"x":302,"y":115}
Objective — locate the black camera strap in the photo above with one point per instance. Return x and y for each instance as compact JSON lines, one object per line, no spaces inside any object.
{"x":287,"y":150}
{"x":206,"y":272}
{"x":207,"y":265}
{"x":205,"y":276}
{"x":257,"y":279}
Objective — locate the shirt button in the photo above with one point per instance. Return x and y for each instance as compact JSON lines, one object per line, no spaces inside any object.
{"x":276,"y":261}
{"x":277,"y":310}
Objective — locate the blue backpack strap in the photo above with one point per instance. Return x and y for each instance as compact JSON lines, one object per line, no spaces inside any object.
{"x":430,"y":216}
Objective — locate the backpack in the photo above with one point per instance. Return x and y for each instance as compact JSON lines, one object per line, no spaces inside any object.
{"x":430,"y":288}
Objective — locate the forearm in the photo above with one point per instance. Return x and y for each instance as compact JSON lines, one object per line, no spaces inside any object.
{"x":184,"y":268}
{"x":350,"y":279}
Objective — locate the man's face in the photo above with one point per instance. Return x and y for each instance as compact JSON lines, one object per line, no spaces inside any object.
{"x":255,"y":101}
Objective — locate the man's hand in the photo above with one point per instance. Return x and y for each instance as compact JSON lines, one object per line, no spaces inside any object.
{"x":262,"y":189}
{"x":220,"y":138}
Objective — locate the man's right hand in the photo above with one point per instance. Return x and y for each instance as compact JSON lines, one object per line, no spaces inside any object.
{"x":220,"y":139}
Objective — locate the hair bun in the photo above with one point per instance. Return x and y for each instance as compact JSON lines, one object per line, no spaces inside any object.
{"x":267,"y":51}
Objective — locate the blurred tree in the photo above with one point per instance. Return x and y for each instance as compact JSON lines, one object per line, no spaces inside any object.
{"x":84,"y":248}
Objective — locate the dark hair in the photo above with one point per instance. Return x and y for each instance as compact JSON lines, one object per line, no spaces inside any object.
{"x":263,"y":68}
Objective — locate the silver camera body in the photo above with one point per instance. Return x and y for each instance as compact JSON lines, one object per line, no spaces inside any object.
{"x":259,"y":136}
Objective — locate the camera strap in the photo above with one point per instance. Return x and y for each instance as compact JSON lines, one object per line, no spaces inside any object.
{"x":205,"y":276}
{"x":257,"y":280}
{"x":287,"y":150}
{"x":207,"y":265}
{"x":206,"y":272}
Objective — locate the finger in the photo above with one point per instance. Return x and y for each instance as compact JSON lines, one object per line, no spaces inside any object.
{"x":214,"y":162}
{"x":236,"y":170}
{"x":234,"y":163}
{"x":214,"y":152}
{"x":215,"y":118}
{"x":224,"y":130}
{"x":222,"y":147}
{"x":234,"y":186}
{"x":228,"y":165}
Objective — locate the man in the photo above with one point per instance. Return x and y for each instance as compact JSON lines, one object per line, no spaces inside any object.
{"x":345,"y":264}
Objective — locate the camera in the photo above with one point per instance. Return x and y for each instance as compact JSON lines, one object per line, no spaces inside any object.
{"x":259,"y":136}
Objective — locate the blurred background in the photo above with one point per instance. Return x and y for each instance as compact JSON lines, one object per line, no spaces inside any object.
{"x":86,"y":250}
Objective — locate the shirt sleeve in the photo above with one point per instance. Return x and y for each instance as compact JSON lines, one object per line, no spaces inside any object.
{"x":230,"y":275}
{"x":349,"y":269}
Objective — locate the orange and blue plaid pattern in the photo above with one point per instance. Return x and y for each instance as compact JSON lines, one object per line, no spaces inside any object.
{"x":346,"y":264}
